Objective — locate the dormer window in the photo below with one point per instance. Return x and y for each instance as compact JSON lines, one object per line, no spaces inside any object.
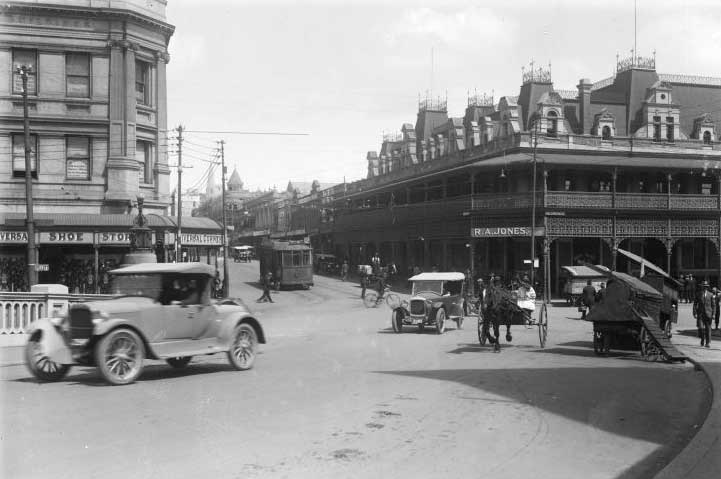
{"x":552,"y":124}
{"x":669,"y":129}
{"x":656,"y":128}
{"x":606,"y":132}
{"x":707,"y":137}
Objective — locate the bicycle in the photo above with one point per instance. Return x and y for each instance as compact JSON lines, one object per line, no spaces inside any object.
{"x":372,"y":299}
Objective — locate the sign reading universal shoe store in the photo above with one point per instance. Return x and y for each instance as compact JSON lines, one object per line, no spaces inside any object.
{"x":69,"y":238}
{"x":505,"y":231}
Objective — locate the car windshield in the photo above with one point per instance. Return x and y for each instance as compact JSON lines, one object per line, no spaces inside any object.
{"x":148,"y":285}
{"x":434,"y":286}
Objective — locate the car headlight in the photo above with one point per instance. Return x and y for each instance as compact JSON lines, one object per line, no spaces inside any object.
{"x":100,"y":316}
{"x":58,"y":320}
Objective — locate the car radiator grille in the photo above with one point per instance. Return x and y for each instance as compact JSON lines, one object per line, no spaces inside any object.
{"x":81,"y":323}
{"x":418,"y":307}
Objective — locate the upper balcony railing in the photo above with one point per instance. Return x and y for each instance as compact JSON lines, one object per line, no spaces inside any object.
{"x":570,"y":142}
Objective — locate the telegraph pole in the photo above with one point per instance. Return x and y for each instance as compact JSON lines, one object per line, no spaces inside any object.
{"x":178,"y":246}
{"x":226,"y":284}
{"x":24,"y":71}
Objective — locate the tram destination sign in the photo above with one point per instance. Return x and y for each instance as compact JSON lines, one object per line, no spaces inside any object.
{"x":505,"y":231}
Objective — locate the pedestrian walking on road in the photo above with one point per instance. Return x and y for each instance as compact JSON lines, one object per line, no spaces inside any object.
{"x":691,"y":288}
{"x":704,"y":310}
{"x":588,"y":297}
{"x":364,"y":284}
{"x":267,"y":279}
{"x":717,"y":302}
{"x":344,"y":270}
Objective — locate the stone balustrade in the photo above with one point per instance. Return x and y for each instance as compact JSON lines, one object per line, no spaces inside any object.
{"x":19,"y":310}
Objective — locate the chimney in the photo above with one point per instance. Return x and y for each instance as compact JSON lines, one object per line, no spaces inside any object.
{"x":584,"y":105}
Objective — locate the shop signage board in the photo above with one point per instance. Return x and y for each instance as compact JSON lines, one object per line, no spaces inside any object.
{"x":66,"y":237}
{"x":201,"y":239}
{"x":505,"y":231}
{"x":15,"y":237}
{"x":42,"y":267}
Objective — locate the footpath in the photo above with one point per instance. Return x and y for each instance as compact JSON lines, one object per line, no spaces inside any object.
{"x":701,"y":458}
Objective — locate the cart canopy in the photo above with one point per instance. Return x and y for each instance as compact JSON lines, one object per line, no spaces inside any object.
{"x":585,"y":271}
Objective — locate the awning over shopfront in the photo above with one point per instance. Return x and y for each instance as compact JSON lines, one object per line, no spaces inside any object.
{"x":106,"y":230}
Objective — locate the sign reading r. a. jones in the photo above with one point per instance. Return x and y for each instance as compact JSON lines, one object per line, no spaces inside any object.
{"x":504,"y":231}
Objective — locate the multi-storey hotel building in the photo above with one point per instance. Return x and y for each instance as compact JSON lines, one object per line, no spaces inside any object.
{"x":632,"y":161}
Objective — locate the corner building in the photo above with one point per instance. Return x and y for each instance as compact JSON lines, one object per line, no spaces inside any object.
{"x":632,"y":161}
{"x":98,"y":132}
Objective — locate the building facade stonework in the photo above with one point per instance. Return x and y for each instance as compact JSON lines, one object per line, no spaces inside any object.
{"x":97,"y":105}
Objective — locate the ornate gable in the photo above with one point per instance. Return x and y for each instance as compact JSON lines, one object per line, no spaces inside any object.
{"x":604,"y":124}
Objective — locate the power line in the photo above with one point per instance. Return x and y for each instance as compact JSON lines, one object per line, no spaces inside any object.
{"x":273,"y":133}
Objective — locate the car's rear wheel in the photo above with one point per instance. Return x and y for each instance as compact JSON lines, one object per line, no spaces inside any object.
{"x":440,"y":320}
{"x":244,"y":347}
{"x":179,"y":362}
{"x":119,"y":356}
{"x":40,"y":365}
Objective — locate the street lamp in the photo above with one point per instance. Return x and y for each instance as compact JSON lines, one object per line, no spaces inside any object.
{"x":535,"y":117}
{"x":24,"y":71}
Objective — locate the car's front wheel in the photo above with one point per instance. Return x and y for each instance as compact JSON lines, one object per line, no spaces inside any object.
{"x":179,"y":362}
{"x":119,"y":356}
{"x":440,"y":320}
{"x":40,"y":365}
{"x":244,"y":347}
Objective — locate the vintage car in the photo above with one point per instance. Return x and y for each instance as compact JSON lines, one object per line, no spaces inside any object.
{"x":435,"y":297}
{"x":160,"y":311}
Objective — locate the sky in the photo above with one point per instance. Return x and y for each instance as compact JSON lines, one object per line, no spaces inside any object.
{"x":343,"y":73}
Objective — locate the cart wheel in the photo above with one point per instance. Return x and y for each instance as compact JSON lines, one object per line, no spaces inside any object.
{"x":482,"y":338}
{"x":667,"y":329}
{"x":393,"y":300}
{"x":543,"y":324}
{"x":371,"y":299}
{"x":649,"y":349}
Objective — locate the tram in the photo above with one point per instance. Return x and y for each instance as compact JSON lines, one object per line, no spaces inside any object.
{"x":290,"y":262}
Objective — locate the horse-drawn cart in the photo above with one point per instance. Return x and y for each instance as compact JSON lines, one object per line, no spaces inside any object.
{"x":632,"y":308}
{"x":514,"y":307}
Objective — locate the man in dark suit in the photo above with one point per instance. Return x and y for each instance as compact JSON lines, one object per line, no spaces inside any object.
{"x":588,"y":297}
{"x":704,"y":310}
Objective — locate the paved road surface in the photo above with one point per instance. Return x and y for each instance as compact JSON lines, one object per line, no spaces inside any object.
{"x":335,"y":393}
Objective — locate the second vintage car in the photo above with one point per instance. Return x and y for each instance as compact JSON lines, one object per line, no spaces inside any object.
{"x":160,"y":311}
{"x":435,"y":297}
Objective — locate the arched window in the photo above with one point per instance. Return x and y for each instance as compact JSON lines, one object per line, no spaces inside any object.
{"x":606,"y":132}
{"x":552,"y":124}
{"x":707,"y":137}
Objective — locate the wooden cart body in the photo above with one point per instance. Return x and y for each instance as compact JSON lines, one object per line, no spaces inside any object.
{"x":631,"y":307}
